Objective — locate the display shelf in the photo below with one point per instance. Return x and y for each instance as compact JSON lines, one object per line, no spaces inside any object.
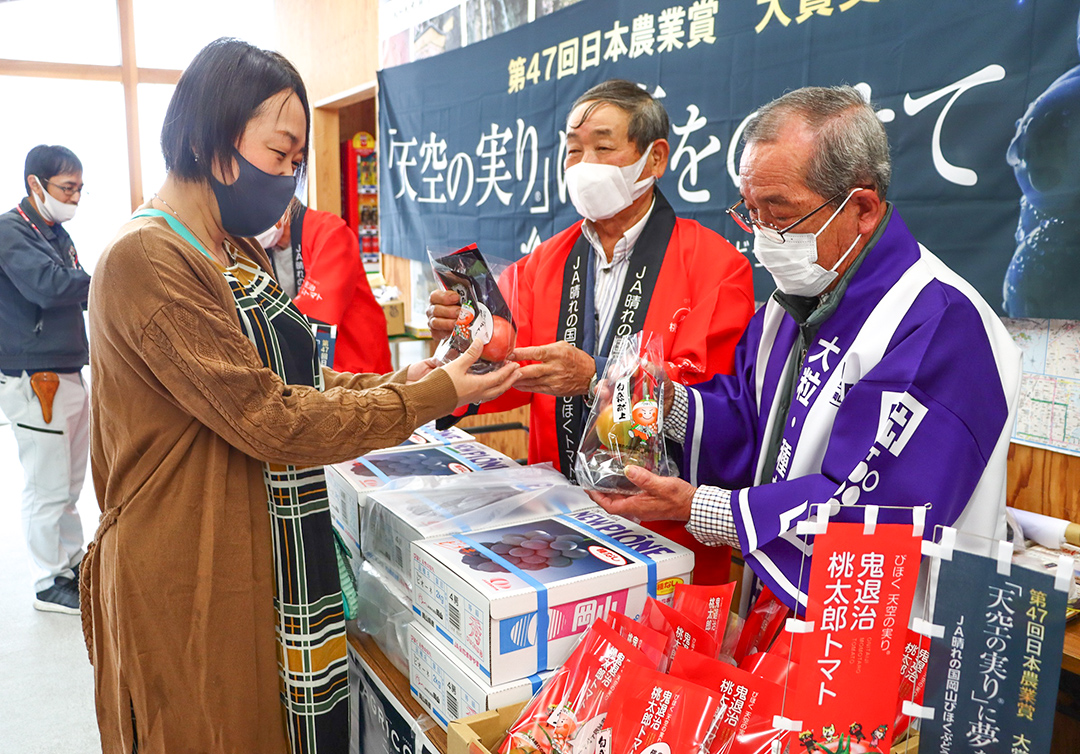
{"x":396,"y":682}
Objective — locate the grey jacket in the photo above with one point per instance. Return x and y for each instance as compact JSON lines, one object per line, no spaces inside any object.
{"x":43,"y":293}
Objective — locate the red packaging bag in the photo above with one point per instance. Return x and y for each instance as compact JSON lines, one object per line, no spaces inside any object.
{"x":764,"y":622}
{"x":748,"y":703}
{"x":568,"y":713}
{"x":912,"y":677}
{"x":655,"y":644}
{"x":707,"y":606}
{"x":685,"y":632}
{"x":660,"y":713}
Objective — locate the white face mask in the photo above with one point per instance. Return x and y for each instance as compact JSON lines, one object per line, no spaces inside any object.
{"x":601,"y":191}
{"x":51,"y":208}
{"x":270,"y":237}
{"x":793,"y":263}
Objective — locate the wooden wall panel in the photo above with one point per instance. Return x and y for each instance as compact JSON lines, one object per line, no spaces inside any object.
{"x":333,"y":43}
{"x":1044,"y":481}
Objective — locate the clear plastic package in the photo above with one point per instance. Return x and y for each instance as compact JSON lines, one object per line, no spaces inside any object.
{"x":488,"y":292}
{"x":626,"y":422}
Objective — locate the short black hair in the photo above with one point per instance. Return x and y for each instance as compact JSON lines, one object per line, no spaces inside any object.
{"x":219,"y":92}
{"x":46,"y":161}
{"x":648,"y":118}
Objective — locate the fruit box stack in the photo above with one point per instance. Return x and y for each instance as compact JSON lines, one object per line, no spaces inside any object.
{"x":394,"y":519}
{"x":348,"y":484}
{"x":446,"y":688}
{"x":512,"y":602}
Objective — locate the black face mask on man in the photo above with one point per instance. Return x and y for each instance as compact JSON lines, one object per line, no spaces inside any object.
{"x":254,"y":201}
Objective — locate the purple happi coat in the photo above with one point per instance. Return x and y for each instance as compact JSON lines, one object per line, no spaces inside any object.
{"x":906,"y":396}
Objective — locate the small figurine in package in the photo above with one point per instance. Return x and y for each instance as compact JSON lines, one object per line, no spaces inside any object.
{"x":568,"y":715}
{"x":625,"y":425}
{"x":485,"y":313}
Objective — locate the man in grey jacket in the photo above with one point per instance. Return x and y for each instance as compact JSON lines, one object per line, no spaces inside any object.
{"x":43,"y":349}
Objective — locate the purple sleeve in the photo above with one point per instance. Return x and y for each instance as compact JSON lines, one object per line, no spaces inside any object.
{"x":917,"y":428}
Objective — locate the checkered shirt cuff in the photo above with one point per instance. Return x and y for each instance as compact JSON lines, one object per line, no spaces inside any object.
{"x":675,"y":421}
{"x":711,"y":520}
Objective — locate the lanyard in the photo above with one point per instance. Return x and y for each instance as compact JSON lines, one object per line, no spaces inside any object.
{"x":71,"y":249}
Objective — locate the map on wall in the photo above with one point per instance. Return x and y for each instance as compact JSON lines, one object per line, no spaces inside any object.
{"x":1049,"y":412}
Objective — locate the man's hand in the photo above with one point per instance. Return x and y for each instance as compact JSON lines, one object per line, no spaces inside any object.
{"x":442,"y":314}
{"x":562,"y":369}
{"x":669,"y":394}
{"x":477,"y":388}
{"x":662,"y":498}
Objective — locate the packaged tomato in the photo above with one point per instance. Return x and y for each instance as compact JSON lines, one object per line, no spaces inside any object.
{"x":748,"y":703}
{"x":656,"y":645}
{"x":685,"y":632}
{"x":912,"y":677}
{"x":485,"y":313}
{"x":707,"y":606}
{"x":764,"y":622}
{"x":663,"y":713}
{"x":626,"y":422}
{"x":568,"y":714}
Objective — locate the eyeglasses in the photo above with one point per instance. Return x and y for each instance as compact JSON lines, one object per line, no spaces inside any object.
{"x":773,"y":234}
{"x":68,"y":191}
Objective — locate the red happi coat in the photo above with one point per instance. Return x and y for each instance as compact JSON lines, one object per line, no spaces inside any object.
{"x":336,"y":291}
{"x":702,"y":302}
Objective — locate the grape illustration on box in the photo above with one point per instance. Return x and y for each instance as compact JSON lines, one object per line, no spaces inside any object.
{"x":485,"y":313}
{"x":548,"y":554}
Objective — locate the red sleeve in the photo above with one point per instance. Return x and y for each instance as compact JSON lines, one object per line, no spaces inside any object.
{"x":332,"y":266}
{"x":717,"y":303}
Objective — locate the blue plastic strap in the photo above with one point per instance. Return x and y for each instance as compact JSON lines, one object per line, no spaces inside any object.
{"x":179,"y":229}
{"x":440,"y":510}
{"x":375,"y":469}
{"x":633,"y":555}
{"x":541,"y":598}
{"x":536,"y":681}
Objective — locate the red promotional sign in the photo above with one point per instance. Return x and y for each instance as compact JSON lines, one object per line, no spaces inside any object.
{"x":861,"y":590}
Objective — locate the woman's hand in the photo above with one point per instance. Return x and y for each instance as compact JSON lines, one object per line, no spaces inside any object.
{"x":477,"y":388}
{"x":421,"y":369}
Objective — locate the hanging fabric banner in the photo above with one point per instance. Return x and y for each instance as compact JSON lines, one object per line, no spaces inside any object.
{"x":472,"y":141}
{"x":993,"y":672}
{"x":861,"y":590}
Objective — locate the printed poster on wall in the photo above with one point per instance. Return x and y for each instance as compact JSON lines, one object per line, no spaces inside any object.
{"x":861,"y":590}
{"x":992,"y":678}
{"x":472,"y":141}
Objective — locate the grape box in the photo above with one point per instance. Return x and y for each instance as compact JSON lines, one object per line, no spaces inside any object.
{"x":446,"y":688}
{"x":513,"y":601}
{"x":348,"y":484}
{"x":394,"y":519}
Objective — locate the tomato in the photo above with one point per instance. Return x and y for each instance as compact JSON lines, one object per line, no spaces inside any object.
{"x":609,"y":432}
{"x":502,"y":340}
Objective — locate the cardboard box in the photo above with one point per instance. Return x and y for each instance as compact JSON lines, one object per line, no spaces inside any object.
{"x":446,"y":688}
{"x":348,"y":484}
{"x":482,"y":733}
{"x":492,"y":611}
{"x":395,"y":316}
{"x":397,"y":518}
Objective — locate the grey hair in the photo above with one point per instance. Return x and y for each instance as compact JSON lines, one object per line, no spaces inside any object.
{"x":648,"y":118}
{"x":852,"y":148}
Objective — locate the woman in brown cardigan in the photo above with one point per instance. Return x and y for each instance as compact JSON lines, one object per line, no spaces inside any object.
{"x":211,"y":599}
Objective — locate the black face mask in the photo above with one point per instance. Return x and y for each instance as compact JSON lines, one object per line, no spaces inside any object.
{"x":254,"y":201}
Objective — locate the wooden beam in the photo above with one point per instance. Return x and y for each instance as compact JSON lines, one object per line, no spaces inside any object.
{"x":130,"y":79}
{"x":158,"y":76}
{"x":324,"y":172}
{"x":76,"y":71}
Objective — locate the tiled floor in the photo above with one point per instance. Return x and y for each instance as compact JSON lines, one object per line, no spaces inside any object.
{"x":46,"y":682}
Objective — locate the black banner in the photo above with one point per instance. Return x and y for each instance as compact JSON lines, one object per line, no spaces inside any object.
{"x":992,"y":678}
{"x":472,"y":141}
